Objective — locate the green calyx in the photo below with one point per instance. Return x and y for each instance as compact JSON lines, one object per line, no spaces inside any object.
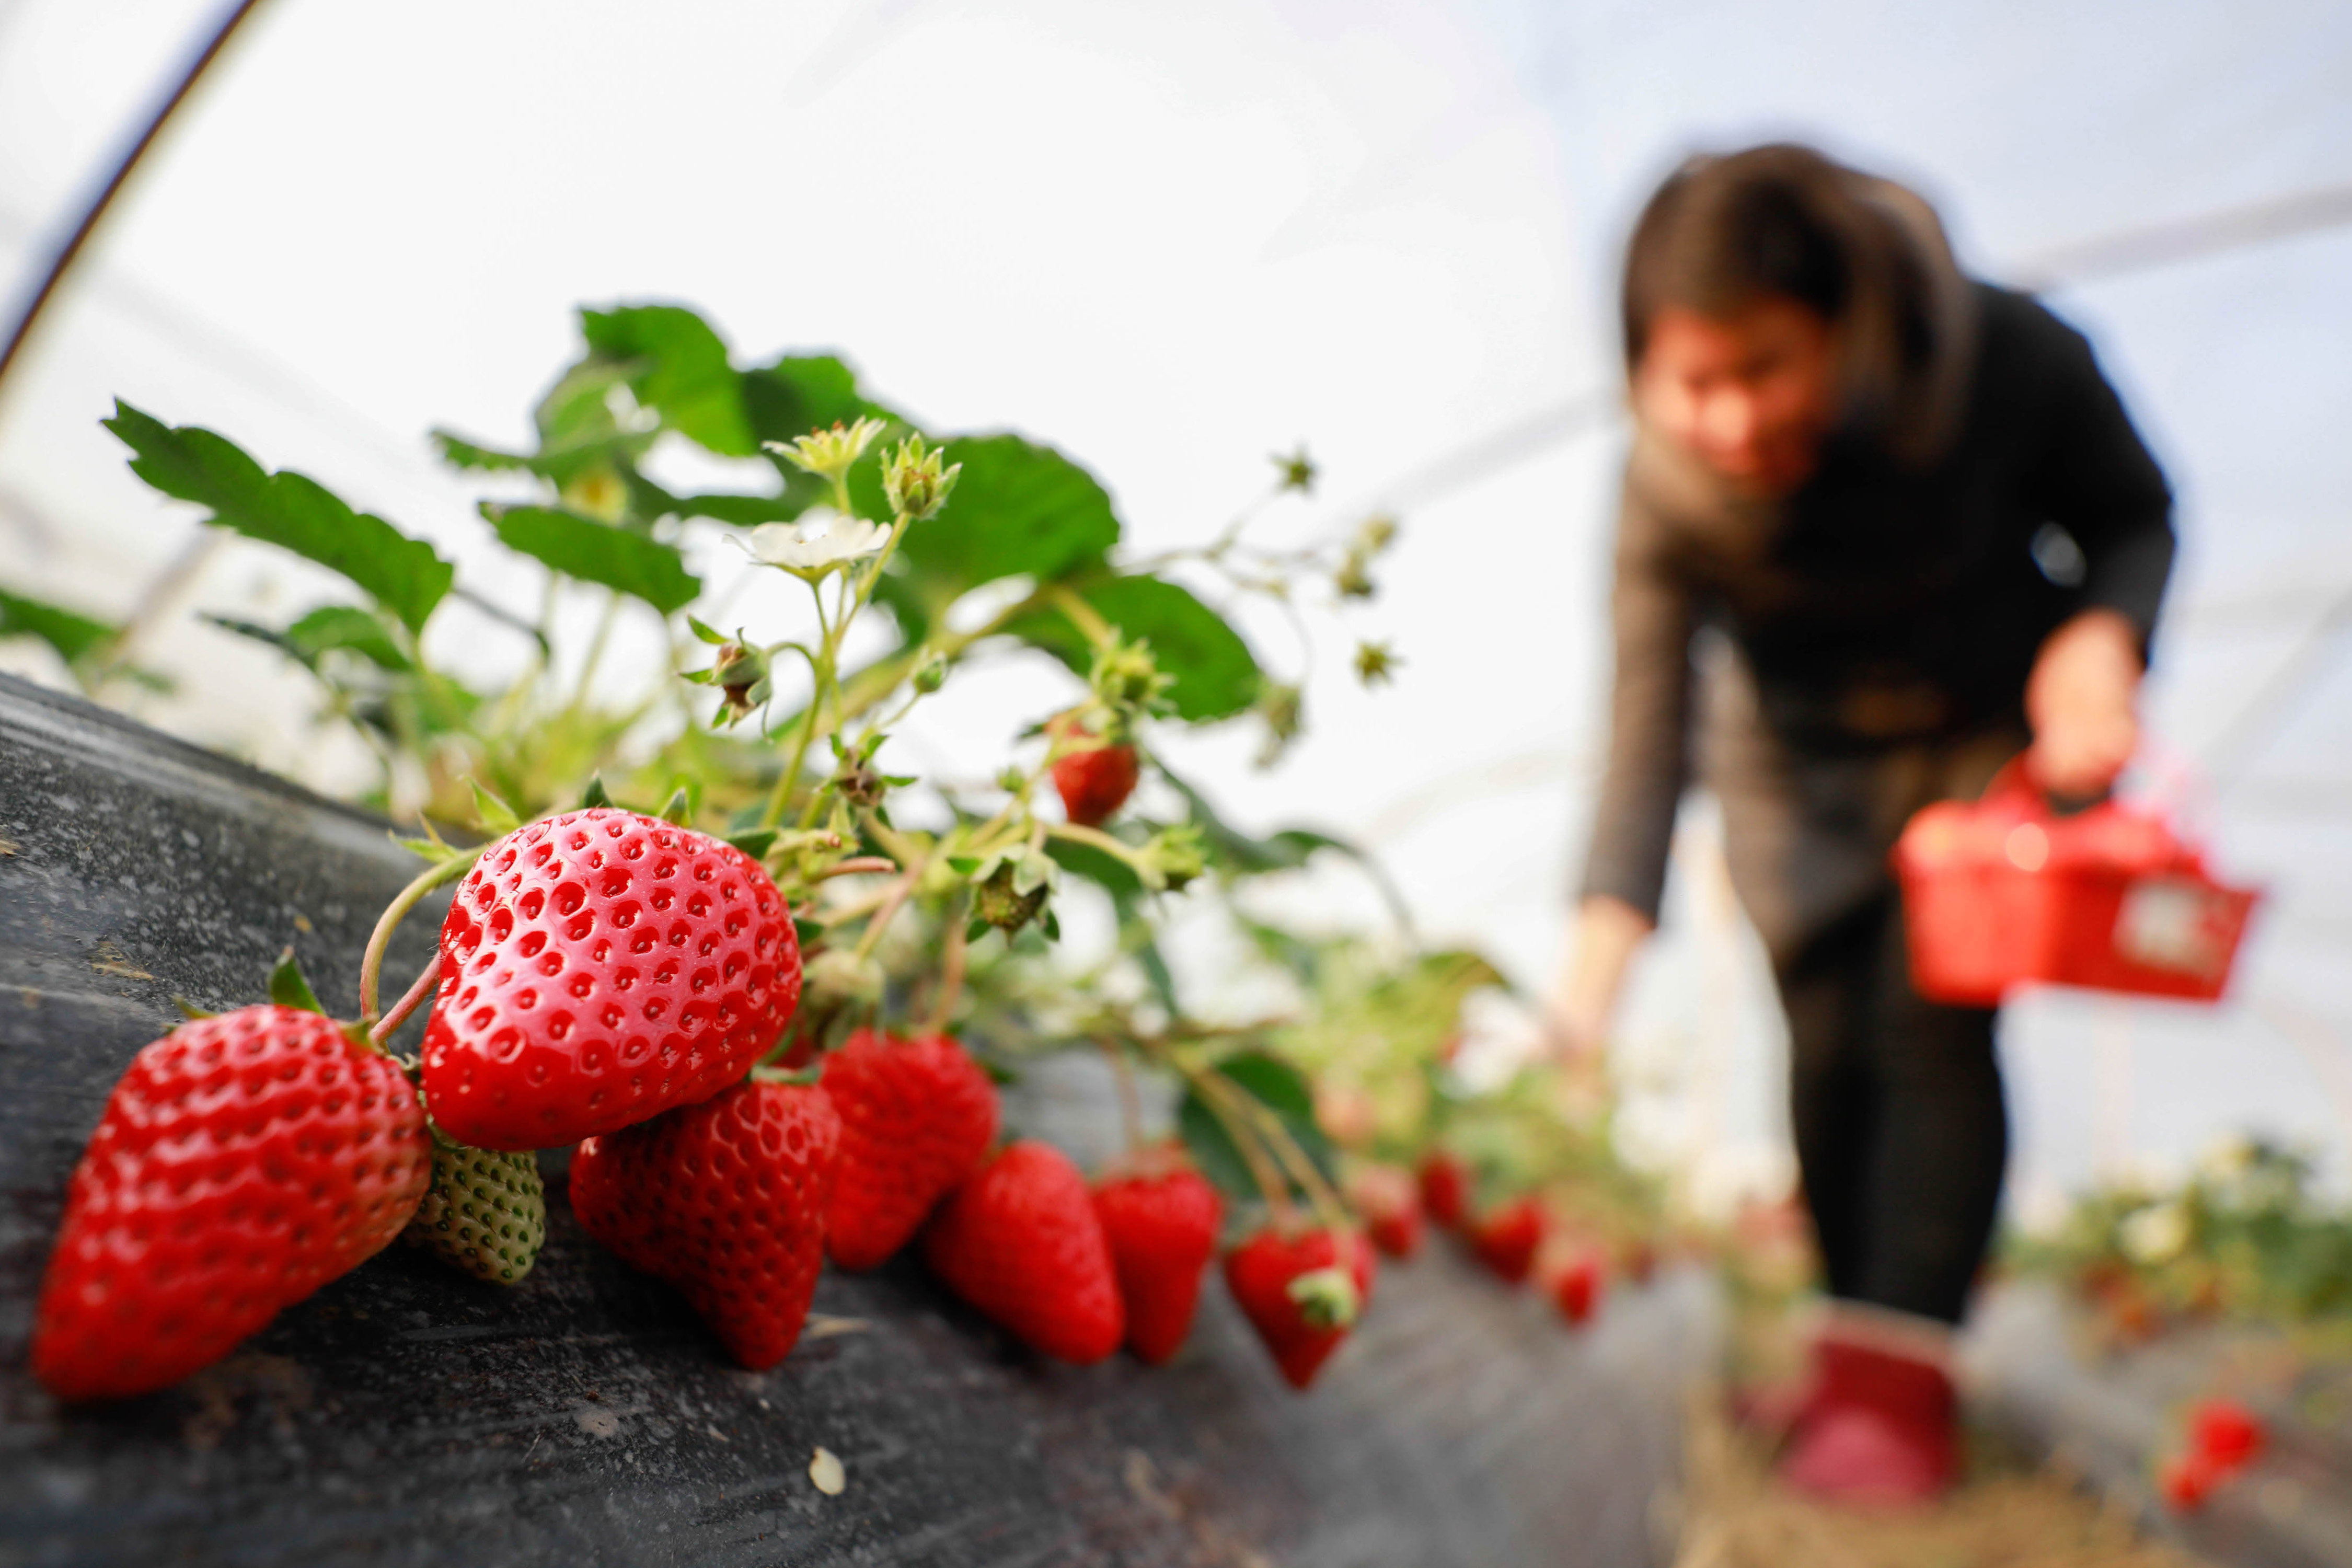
{"x":486,"y":1212}
{"x":1327,"y":1297}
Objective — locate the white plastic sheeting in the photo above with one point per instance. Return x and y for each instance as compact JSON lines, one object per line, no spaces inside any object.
{"x":1174,"y":239}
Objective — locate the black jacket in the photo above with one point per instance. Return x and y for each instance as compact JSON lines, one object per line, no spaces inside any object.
{"x":1898,"y":598}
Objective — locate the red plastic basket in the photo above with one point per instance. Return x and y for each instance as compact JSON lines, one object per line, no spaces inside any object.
{"x":2004,"y":891}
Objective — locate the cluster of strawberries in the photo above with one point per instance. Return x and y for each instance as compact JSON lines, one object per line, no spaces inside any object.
{"x":1517,"y":1239}
{"x":611,"y":980}
{"x":2224,"y":1437}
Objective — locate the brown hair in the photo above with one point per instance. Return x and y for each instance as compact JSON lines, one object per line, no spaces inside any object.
{"x":1783,"y":220}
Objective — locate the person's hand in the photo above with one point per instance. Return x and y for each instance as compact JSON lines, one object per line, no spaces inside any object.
{"x":1601,"y":944}
{"x":2083,"y":702}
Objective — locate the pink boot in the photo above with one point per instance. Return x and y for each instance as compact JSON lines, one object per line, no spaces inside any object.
{"x":1879,"y":1427}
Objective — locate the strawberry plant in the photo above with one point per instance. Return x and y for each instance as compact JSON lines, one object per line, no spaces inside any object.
{"x":711,"y":925}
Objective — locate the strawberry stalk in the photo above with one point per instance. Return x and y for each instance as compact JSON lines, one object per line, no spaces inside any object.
{"x":1262,"y":1169}
{"x":1328,"y":1210}
{"x":380,"y":938}
{"x":1131,"y":1104}
{"x":856,"y":866}
{"x":412,"y":998}
{"x":951,"y":967}
{"x":892,"y":902}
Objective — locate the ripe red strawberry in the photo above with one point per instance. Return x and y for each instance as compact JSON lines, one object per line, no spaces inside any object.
{"x":1444,"y":1190}
{"x":1020,"y":1241}
{"x":243,"y":1161}
{"x":1578,"y":1286}
{"x":1506,"y":1239}
{"x":1300,"y":1295}
{"x":2226,"y":1433}
{"x":596,"y":969}
{"x":1389,"y":1202}
{"x":2187,"y":1481}
{"x":725,"y":1200}
{"x":1095,"y":782}
{"x":1161,"y":1225}
{"x":917,"y":1117}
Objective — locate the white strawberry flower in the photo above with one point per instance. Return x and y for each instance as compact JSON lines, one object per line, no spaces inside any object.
{"x":821,"y":541}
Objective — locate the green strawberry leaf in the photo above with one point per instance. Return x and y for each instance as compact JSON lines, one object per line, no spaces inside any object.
{"x":594,"y":552}
{"x":677,"y":365}
{"x":1216,"y":676}
{"x":1283,"y":1091}
{"x":460,"y":453}
{"x":287,"y":509}
{"x":1100,"y":867}
{"x":345,"y":627}
{"x":495,"y":814}
{"x":678,"y":810}
{"x":69,"y":632}
{"x":755,"y":842}
{"x":800,"y":393}
{"x":289,"y":987}
{"x":594,"y":796}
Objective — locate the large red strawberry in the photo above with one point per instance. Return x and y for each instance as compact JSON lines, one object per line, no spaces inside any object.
{"x":1302,"y":1293}
{"x":596,"y":969}
{"x":1506,"y":1239}
{"x":1095,"y":782}
{"x":1162,"y":1222}
{"x":725,"y":1200}
{"x":917,"y":1117}
{"x":1444,"y":1190}
{"x":1020,"y":1241}
{"x":243,"y":1161}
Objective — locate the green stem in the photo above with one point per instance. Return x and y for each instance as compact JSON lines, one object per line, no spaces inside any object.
{"x":1130,"y":1103}
{"x":414,"y":998}
{"x":951,"y":968}
{"x":1098,"y":838}
{"x":1083,"y":616}
{"x":1268,"y":1177}
{"x":872,"y":936}
{"x":821,"y":669}
{"x":596,"y":647}
{"x":372,"y":962}
{"x":1327,"y":1204}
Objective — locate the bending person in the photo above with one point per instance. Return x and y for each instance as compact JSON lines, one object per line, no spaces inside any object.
{"x":1929,"y":538}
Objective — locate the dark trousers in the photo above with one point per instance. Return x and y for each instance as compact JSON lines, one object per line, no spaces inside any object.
{"x":1901,"y":1129}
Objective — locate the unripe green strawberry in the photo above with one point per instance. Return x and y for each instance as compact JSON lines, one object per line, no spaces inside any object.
{"x":486,"y":1212}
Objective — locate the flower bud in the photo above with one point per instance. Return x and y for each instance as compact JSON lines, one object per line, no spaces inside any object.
{"x":931,"y":672}
{"x":1376,"y":663}
{"x":1297,"y":470}
{"x":915,"y":481}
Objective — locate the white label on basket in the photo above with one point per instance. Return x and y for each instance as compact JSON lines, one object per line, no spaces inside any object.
{"x":2167,"y":923}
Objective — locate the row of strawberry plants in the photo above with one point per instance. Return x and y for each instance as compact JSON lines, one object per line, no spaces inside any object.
{"x":750,"y":1014}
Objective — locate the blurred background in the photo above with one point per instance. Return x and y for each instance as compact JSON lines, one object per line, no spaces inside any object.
{"x":1175,"y":240}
